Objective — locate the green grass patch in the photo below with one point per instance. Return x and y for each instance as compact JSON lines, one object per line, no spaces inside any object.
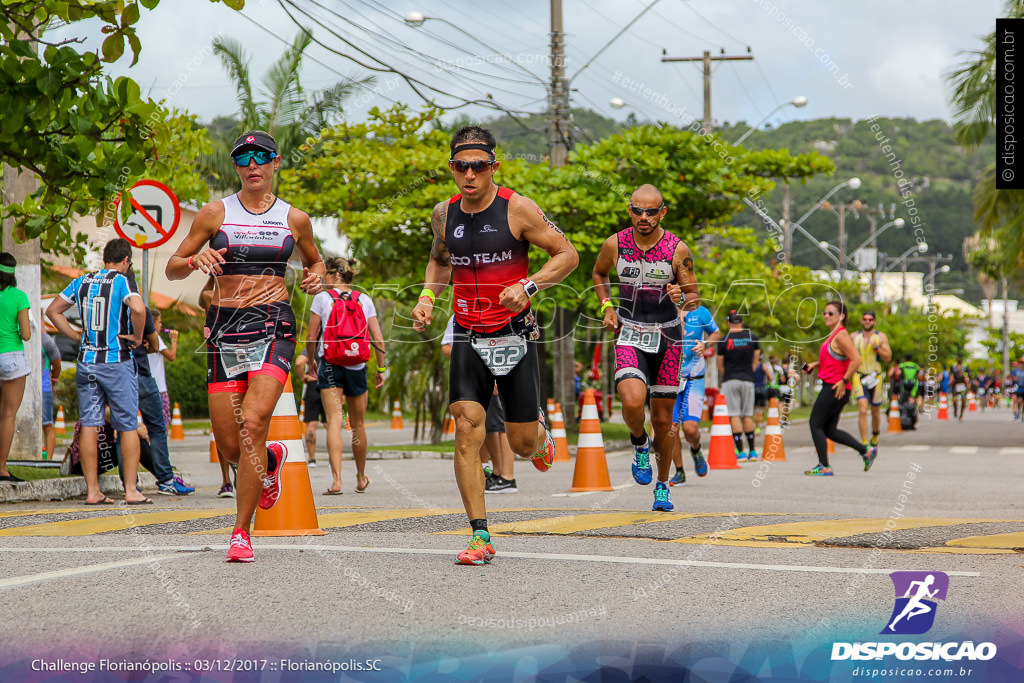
{"x":34,"y":473}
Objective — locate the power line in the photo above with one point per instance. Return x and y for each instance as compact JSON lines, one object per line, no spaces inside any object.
{"x":689,"y":6}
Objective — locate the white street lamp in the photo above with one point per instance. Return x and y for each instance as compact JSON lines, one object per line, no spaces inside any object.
{"x":415,"y":18}
{"x":852,"y":183}
{"x":617,"y":103}
{"x":798,"y":101}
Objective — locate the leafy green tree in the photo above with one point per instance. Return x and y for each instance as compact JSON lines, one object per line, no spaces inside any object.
{"x":85,"y":135}
{"x":295,"y":116}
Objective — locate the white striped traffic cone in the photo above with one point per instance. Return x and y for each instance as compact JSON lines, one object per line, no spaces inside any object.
{"x":177,"y":428}
{"x":591,"y":473}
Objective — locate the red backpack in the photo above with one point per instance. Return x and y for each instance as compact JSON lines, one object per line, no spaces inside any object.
{"x":346,"y":335}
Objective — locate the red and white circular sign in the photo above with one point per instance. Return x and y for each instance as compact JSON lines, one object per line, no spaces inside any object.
{"x":154,"y":218}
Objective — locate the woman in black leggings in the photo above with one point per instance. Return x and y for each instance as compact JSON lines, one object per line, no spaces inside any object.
{"x":837,"y":361}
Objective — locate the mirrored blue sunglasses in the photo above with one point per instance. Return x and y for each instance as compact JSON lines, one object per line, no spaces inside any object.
{"x":261,"y":157}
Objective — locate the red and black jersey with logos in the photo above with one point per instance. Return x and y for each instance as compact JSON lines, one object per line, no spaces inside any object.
{"x":486,"y":259}
{"x":257,"y":243}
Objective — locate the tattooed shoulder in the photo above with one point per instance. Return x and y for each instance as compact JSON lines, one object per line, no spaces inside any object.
{"x":439,"y":250}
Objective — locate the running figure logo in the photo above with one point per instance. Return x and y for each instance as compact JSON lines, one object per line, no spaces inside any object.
{"x":914,"y":612}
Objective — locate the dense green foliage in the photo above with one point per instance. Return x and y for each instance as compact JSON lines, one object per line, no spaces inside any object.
{"x":86,"y":136}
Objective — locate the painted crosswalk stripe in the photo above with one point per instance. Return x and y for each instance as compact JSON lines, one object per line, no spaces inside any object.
{"x":963,"y":450}
{"x":915,"y":448}
{"x":572,"y":524}
{"x":335,"y":520}
{"x":128,"y":518}
{"x":804,"y":533}
{"x":1011,"y":451}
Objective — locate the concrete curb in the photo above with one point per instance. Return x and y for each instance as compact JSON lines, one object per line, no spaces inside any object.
{"x":65,"y":488}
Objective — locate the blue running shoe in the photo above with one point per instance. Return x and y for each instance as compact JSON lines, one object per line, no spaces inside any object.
{"x":678,"y":479}
{"x":642,"y":472}
{"x":662,"y":499}
{"x":699,"y":463}
{"x":752,"y":455}
{"x":741,"y":456}
{"x":869,"y":459}
{"x":819,"y":471}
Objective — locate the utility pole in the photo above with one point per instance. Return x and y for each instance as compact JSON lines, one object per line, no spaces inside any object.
{"x":17,"y":185}
{"x":706,"y":59}
{"x":787,"y":229}
{"x":558,"y":96}
{"x":563,"y":356}
{"x":1006,"y":328}
{"x":842,"y":241}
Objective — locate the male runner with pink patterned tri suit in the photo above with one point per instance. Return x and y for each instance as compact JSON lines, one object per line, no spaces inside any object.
{"x":655,"y":271}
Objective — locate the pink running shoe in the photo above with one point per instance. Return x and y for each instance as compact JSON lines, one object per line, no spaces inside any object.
{"x":272,"y":482}
{"x":241,"y":547}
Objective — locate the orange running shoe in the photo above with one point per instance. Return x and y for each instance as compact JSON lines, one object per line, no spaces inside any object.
{"x":480,"y":550}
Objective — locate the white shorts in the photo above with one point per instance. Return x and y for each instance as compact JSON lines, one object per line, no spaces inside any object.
{"x":14,"y":364}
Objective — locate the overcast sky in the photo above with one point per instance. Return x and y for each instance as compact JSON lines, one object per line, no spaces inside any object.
{"x":849,"y":59}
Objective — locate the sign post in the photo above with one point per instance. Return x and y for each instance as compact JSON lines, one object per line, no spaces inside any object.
{"x":153,"y":221}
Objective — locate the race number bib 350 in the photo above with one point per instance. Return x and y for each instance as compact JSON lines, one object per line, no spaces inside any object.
{"x":239,"y":358}
{"x":646,"y":338}
{"x":500,"y":354}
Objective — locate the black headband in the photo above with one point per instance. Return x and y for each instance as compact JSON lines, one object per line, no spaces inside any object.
{"x":473,"y":145}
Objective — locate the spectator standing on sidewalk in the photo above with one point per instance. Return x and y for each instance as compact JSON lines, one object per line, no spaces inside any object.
{"x":14,"y":364}
{"x":156,"y":362}
{"x":51,"y":374}
{"x":739,"y":352}
{"x":314,"y":407}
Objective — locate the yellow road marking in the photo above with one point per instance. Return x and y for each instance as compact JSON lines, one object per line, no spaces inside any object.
{"x":1010,"y":541}
{"x":29,"y":513}
{"x":336,"y":520}
{"x":813,"y":532}
{"x":961,"y":551}
{"x":126,"y":519}
{"x":571,"y":524}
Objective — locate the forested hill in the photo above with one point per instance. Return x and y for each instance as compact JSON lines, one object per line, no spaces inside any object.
{"x":937,"y":177}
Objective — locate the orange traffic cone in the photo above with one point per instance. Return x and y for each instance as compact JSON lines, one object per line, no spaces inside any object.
{"x":722,"y":451}
{"x":214,"y":457}
{"x":449,"y":424}
{"x":348,"y":424}
{"x":396,"y":416}
{"x":972,"y":406}
{"x":551,"y":408}
{"x":558,"y":434}
{"x":295,"y":513}
{"x":894,"y":416}
{"x":830,"y":447}
{"x":177,"y":428}
{"x":302,"y":412}
{"x":943,"y":408}
{"x":704,"y":415}
{"x":591,"y":473}
{"x":774,"y":450}
{"x":59,"y":427}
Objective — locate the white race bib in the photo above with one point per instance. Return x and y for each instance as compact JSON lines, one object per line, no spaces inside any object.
{"x":960,"y":388}
{"x":500,"y":354}
{"x":239,"y":358}
{"x":646,"y":338}
{"x":869,"y":381}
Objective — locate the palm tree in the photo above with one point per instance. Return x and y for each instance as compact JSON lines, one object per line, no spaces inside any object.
{"x":287,"y":111}
{"x":998,"y":212}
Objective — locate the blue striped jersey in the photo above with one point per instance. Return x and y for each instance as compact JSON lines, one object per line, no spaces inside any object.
{"x":102,"y":301}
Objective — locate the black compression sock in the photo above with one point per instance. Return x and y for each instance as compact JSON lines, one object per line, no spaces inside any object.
{"x":750,"y":440}
{"x":694,"y":451}
{"x":478,"y":524}
{"x":737,"y":440}
{"x":271,"y":460}
{"x":638,"y":440}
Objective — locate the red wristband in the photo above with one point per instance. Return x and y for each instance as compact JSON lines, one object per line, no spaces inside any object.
{"x":190,"y":265}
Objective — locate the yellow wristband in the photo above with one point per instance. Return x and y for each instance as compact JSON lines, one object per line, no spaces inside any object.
{"x":607,"y":303}
{"x":426,"y":293}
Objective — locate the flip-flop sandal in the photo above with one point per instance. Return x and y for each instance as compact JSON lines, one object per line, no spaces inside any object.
{"x":105,"y":501}
{"x":329,"y":492}
{"x":144,"y":501}
{"x":363,"y":490}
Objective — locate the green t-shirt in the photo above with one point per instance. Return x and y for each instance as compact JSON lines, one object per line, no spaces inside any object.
{"x":12,"y":300}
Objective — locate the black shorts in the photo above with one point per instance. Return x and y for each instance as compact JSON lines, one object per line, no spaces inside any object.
{"x":351,"y":382}
{"x":471,"y":380}
{"x":495,"y":422}
{"x":274,"y":322}
{"x":760,"y":396}
{"x":314,"y":406}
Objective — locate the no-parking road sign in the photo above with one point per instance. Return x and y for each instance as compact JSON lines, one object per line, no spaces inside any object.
{"x":155,"y":216}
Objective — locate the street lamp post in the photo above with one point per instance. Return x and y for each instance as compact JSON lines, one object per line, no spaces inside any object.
{"x":873,"y":241}
{"x":798,"y":101}
{"x":902,"y":260}
{"x":929,"y":282}
{"x":852,"y":183}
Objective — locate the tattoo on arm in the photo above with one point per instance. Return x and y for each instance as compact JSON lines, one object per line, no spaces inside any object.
{"x":688,"y":264}
{"x":551,"y":224}
{"x":439,"y":250}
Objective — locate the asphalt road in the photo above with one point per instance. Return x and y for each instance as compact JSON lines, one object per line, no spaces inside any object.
{"x":758,"y":570}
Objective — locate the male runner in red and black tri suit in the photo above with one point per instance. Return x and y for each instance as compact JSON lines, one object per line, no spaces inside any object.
{"x":655,"y":272}
{"x":482,"y":239}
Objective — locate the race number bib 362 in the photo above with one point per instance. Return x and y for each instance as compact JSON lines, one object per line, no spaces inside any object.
{"x":239,"y":358}
{"x":500,"y":354}
{"x":646,"y":338}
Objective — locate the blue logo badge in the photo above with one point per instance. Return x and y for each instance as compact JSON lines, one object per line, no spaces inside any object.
{"x":916,"y":594}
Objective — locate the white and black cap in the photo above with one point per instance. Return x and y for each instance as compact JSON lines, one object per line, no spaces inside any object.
{"x":254,"y":139}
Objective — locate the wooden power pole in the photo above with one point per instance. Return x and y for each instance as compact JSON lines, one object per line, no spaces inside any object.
{"x":706,"y":58}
